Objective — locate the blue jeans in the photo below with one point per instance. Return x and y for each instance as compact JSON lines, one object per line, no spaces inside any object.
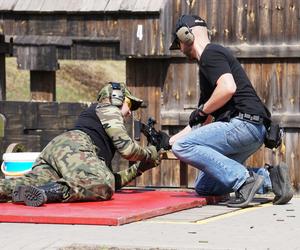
{"x":218,"y":150}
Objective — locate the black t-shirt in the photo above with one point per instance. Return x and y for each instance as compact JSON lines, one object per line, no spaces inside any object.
{"x":216,"y":61}
{"x":89,"y":123}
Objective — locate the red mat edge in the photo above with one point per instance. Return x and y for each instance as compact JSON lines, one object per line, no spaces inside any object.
{"x":102,"y":221}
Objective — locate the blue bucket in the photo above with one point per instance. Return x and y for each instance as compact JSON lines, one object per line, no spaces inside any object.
{"x":18,"y":164}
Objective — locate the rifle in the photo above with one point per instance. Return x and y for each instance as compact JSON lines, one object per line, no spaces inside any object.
{"x":153,"y":136}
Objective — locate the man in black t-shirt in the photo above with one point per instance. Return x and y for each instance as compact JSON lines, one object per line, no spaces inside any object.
{"x":218,"y":149}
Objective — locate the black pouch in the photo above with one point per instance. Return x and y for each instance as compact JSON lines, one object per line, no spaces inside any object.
{"x":273,"y":137}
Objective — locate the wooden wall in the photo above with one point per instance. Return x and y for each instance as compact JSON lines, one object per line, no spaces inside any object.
{"x":79,"y":36}
{"x":255,"y":22}
{"x":34,"y":124}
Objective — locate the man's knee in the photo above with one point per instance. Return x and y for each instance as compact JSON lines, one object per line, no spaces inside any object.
{"x":103,"y":189}
{"x":105,"y":192}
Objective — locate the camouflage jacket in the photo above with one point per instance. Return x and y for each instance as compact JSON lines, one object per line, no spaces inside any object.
{"x":113,"y":123}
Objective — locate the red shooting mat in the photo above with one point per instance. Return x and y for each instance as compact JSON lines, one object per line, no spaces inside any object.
{"x":126,"y":206}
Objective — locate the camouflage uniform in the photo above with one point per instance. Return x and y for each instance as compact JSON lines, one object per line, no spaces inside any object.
{"x":72,"y":159}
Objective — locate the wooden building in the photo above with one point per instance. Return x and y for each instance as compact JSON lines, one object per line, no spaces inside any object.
{"x":264,"y":35}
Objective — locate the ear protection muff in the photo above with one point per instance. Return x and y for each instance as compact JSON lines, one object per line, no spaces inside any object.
{"x":185,"y":35}
{"x":117,"y":94}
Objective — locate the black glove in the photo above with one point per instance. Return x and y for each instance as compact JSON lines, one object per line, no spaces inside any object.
{"x":146,"y":165}
{"x":164,"y":141}
{"x":196,"y":118}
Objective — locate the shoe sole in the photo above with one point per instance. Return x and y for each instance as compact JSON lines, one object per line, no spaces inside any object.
{"x":258,"y":183}
{"x":30,"y":195}
{"x":283,"y":199}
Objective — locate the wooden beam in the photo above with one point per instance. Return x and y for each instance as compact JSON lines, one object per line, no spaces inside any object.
{"x":288,"y":121}
{"x":42,"y":85}
{"x":2,"y":125}
{"x":2,"y":68}
{"x":266,"y":51}
{"x":37,"y":58}
{"x":258,"y":51}
{"x":2,"y":78}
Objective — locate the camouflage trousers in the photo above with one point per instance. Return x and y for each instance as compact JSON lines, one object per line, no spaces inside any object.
{"x":71,"y":160}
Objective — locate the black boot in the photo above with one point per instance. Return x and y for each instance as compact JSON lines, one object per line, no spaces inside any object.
{"x":246,"y":192}
{"x":37,"y":196}
{"x":281,"y":184}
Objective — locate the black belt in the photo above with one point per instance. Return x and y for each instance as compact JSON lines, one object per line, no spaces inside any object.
{"x":252,"y":118}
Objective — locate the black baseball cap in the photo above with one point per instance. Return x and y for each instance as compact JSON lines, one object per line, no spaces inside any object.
{"x":188,"y":21}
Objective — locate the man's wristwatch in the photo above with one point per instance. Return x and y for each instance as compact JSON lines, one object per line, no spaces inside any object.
{"x":200,"y":108}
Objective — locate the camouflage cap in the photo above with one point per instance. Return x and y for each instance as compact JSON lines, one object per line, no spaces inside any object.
{"x":135,"y":101}
{"x":106,"y":92}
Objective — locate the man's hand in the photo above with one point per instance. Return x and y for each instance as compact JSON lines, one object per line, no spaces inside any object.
{"x":196,"y":118}
{"x":153,"y":153}
{"x":144,"y":166}
{"x":152,"y":163}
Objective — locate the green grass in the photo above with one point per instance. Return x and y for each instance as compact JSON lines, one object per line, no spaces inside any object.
{"x":76,"y":81}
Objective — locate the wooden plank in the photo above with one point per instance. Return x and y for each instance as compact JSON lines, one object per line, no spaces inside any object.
{"x":2,"y":78}
{"x":149,"y":6}
{"x":29,"y":5}
{"x":227,"y":24}
{"x":93,"y":5}
{"x":278,"y":21}
{"x":212,"y":11}
{"x":113,"y":5}
{"x":287,"y":120}
{"x":2,"y":126}
{"x":253,"y":71}
{"x":74,"y":5}
{"x":192,"y":175}
{"x":37,"y":58}
{"x":145,"y":78}
{"x":103,"y":28}
{"x":180,"y":89}
{"x":265,"y":51}
{"x":265,"y":21}
{"x":43,"y":40}
{"x":7,"y":5}
{"x":142,"y":6}
{"x":292,"y":97}
{"x":155,"y":5}
{"x":58,"y":5}
{"x":42,"y":85}
{"x":170,"y":173}
{"x":292,"y":27}
{"x":293,"y":158}
{"x":239,"y":21}
{"x":31,"y":142}
{"x":252,"y":21}
{"x":127,"y":5}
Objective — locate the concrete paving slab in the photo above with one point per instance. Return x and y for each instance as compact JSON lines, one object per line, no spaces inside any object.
{"x":262,"y":227}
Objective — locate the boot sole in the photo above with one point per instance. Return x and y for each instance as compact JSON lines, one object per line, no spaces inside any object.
{"x":30,"y":195}
{"x":282,"y":172}
{"x":258,"y":183}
